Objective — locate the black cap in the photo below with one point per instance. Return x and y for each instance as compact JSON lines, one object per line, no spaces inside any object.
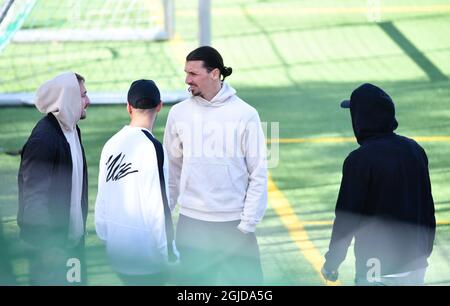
{"x":144,"y":94}
{"x":345,"y":104}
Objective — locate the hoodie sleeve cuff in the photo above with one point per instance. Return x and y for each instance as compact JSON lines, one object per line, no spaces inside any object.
{"x":246,"y":227}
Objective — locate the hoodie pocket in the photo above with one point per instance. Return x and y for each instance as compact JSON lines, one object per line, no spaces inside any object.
{"x":211,"y":185}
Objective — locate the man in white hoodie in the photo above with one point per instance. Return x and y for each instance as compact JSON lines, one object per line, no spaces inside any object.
{"x":52,"y":180}
{"x":218,"y":175}
{"x":132,"y":213}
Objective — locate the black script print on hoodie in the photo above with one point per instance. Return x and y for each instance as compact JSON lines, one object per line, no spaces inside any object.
{"x":118,"y":169}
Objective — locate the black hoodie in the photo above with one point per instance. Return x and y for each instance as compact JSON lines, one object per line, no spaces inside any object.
{"x":385,"y":199}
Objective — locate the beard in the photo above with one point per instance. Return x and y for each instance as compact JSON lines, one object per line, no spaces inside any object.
{"x":83,"y":115}
{"x":194,"y":92}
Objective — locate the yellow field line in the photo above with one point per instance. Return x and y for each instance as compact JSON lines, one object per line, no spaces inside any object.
{"x":349,"y":139}
{"x":179,"y":49}
{"x":327,"y":222}
{"x":305,"y":223}
{"x":156,"y":6}
{"x":431,"y":138}
{"x":312,"y":140}
{"x":297,"y":232}
{"x":340,"y":10}
{"x":296,"y":228}
{"x":297,"y":10}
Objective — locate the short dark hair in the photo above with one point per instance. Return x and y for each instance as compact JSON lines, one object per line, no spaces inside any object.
{"x":80,"y":78}
{"x":144,"y":94}
{"x":211,"y":60}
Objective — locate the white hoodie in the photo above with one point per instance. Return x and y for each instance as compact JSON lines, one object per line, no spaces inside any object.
{"x":217,"y":154}
{"x":61,"y":96}
{"x":129,"y":210}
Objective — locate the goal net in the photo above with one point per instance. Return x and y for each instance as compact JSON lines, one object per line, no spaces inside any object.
{"x":109,"y":42}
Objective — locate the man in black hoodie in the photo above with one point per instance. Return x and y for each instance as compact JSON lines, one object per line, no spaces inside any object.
{"x":53,"y":186}
{"x":385,"y":199}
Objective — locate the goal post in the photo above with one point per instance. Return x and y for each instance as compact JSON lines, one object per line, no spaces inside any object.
{"x":110,"y":42}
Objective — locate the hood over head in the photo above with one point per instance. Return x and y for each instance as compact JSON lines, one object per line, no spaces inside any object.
{"x":61,"y":96}
{"x":372,"y":111}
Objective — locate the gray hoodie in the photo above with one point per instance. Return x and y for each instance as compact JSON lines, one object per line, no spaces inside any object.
{"x":217,"y":159}
{"x":61,"y":96}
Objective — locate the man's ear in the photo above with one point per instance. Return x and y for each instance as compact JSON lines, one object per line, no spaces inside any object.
{"x":158,"y":108}
{"x":215,"y":74}
{"x":129,"y":108}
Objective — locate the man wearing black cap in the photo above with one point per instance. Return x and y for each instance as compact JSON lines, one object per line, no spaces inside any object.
{"x":132,"y":214}
{"x":218,"y":175}
{"x":385,"y":199}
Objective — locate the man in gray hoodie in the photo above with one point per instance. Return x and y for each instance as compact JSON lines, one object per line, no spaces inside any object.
{"x":218,"y":175}
{"x":52,"y":180}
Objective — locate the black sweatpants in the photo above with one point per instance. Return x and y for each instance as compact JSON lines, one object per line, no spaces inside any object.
{"x":217,"y":253}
